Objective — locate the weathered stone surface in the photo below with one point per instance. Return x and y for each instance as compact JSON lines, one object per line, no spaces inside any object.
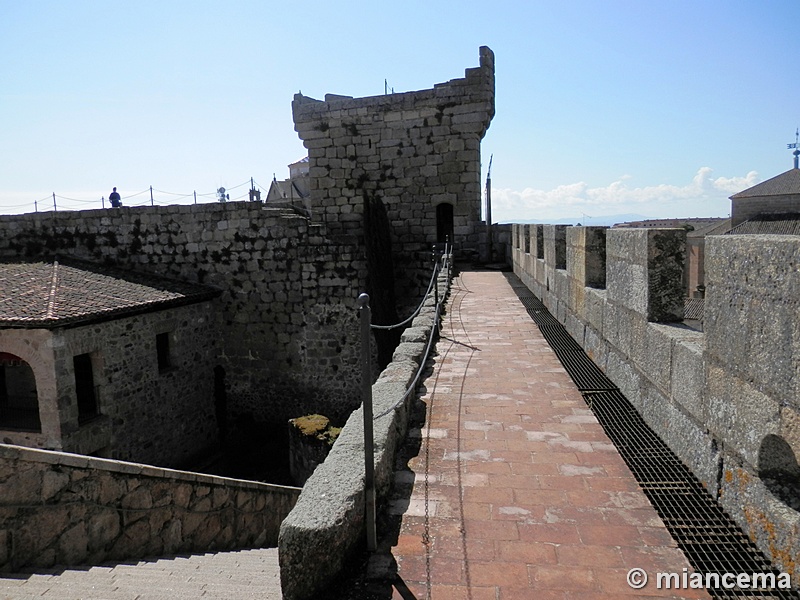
{"x":106,"y":512}
{"x":626,"y":268}
{"x":688,"y":377}
{"x":401,"y":148}
{"x":752,"y":308}
{"x":327,"y":523}
{"x":725,"y":400}
{"x":645,"y":270}
{"x":739,"y":414}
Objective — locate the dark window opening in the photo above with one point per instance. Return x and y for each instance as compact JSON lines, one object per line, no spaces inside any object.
{"x":162,"y":350}
{"x":85,"y":388}
{"x":444,"y":222}
{"x":539,"y":241}
{"x":19,"y":401}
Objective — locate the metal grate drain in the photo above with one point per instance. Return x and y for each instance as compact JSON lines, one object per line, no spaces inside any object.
{"x":708,"y":536}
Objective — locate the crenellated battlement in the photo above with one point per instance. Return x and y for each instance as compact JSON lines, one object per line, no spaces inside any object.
{"x":725,"y":399}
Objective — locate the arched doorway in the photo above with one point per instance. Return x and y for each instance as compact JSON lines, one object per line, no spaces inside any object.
{"x":19,"y":401}
{"x":444,"y":222}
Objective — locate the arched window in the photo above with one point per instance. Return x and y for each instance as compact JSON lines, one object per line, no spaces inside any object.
{"x":19,"y":402}
{"x":444,"y":222}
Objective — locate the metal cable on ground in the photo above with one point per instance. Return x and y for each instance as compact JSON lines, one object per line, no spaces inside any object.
{"x":426,"y":536}
{"x":462,"y":527}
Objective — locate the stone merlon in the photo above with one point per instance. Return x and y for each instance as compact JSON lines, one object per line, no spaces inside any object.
{"x":417,"y":152}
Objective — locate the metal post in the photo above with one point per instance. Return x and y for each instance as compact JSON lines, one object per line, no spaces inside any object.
{"x":195,"y":196}
{"x":366,"y":393}
{"x":103,"y":201}
{"x":449,"y":250}
{"x":435,"y":278}
{"x":151,"y":195}
{"x":54,"y":203}
{"x":489,"y":249}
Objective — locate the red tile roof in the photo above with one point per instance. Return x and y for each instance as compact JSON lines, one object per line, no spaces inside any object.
{"x":57,"y":293}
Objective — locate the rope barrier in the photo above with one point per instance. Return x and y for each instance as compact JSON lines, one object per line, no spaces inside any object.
{"x":413,"y":386}
{"x":416,"y":312}
{"x":172,"y":193}
{"x":136,"y":194}
{"x":431,"y":337}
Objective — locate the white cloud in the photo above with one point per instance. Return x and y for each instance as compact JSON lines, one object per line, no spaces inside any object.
{"x":702,"y":196}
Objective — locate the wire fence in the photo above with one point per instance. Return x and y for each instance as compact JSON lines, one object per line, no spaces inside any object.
{"x":149,"y":196}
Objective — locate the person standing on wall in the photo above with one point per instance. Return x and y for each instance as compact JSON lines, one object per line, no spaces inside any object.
{"x":116,"y":201}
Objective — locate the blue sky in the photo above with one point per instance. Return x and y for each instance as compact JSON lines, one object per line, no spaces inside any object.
{"x":663,"y":109}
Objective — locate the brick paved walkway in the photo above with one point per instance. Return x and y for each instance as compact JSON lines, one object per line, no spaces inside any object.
{"x":527,"y":497}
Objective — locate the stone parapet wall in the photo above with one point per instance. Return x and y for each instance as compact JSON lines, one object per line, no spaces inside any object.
{"x":328,"y":522}
{"x":67,"y":509}
{"x":724,"y":400}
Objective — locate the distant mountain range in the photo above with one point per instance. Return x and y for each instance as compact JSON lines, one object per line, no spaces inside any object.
{"x":607,"y":220}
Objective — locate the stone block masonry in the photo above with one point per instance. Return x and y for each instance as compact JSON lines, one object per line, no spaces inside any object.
{"x":328,"y":523}
{"x":134,"y":397}
{"x":68,"y":509}
{"x":286,"y":315}
{"x":418,"y":152}
{"x":726,"y":399}
{"x":287,"y":319}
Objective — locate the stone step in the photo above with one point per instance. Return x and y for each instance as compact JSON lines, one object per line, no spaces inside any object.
{"x":223,"y":575}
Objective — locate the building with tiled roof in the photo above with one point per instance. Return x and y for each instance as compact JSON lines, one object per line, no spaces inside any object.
{"x":779,"y":195}
{"x":100,"y":360}
{"x":67,"y":292}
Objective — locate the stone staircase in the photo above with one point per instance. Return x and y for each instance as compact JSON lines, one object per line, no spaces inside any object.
{"x":224,"y":575}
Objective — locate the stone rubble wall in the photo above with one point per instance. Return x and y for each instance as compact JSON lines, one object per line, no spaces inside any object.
{"x":66,"y":509}
{"x":134,"y":399}
{"x":328,"y":522}
{"x":287,"y":315}
{"x":722,"y":399}
{"x":413,"y":150}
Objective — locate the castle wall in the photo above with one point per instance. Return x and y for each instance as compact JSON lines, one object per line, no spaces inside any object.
{"x":414,"y":151}
{"x":156,"y":416}
{"x":725,"y":400}
{"x":328,"y":523}
{"x":288,"y":332}
{"x":67,"y":509}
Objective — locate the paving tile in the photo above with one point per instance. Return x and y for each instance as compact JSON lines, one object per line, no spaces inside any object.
{"x":547,"y":508}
